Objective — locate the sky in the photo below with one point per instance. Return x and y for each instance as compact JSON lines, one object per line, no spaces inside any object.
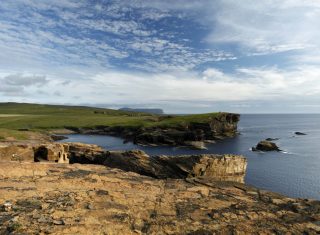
{"x":182,"y":56}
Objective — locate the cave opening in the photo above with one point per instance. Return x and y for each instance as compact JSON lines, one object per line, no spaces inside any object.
{"x":41,"y":154}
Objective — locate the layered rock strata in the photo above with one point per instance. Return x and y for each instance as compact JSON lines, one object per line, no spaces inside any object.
{"x":216,"y":167}
{"x":48,"y":198}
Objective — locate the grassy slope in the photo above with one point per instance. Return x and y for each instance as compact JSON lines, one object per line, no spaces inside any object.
{"x":46,"y":117}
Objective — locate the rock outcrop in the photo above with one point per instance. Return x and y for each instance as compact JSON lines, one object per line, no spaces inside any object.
{"x":44,"y":198}
{"x":266,"y":146}
{"x":217,"y":127}
{"x":52,"y":152}
{"x":299,"y":133}
{"x":16,"y":152}
{"x":215,"y":167}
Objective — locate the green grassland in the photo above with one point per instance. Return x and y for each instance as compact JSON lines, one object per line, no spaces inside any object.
{"x":7,"y":134}
{"x":37,"y":117}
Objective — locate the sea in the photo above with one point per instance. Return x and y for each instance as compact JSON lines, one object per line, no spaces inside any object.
{"x":294,"y":172}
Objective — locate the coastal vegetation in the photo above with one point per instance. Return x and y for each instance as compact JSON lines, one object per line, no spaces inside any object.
{"x":20,"y":120}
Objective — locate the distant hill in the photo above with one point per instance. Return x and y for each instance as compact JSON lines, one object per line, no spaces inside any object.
{"x":152,"y":111}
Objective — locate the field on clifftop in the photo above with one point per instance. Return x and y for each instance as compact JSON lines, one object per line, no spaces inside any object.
{"x":38,"y":117}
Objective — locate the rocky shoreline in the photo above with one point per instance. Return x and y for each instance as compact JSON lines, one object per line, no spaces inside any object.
{"x":215,"y":167}
{"x":129,"y":192}
{"x":192,"y":134}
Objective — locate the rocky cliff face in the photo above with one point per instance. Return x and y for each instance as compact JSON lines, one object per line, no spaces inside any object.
{"x":181,"y":134}
{"x":51,"y":152}
{"x":215,"y":167}
{"x":44,"y":198}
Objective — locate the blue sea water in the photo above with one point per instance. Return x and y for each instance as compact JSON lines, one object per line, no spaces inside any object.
{"x":294,"y":172}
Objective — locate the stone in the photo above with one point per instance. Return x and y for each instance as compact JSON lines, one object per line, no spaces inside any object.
{"x":42,"y":219}
{"x":7,"y":206}
{"x":299,"y":133}
{"x":266,"y":146}
{"x":272,"y":139}
{"x":58,"y":222}
{"x":90,"y":207}
{"x":196,"y":144}
{"x":58,"y":137}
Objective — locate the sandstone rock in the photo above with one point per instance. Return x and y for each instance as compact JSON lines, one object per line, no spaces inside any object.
{"x":215,"y":167}
{"x":266,"y":146}
{"x":137,"y":204}
{"x":52,"y":152}
{"x":16,"y":152}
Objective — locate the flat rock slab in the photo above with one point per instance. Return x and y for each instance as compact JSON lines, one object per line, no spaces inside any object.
{"x":88,"y":199}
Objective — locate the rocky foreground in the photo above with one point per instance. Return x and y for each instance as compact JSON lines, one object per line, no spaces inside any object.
{"x":50,"y":198}
{"x":45,"y":197}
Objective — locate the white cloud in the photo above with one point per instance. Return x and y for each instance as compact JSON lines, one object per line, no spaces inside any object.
{"x":247,"y":88}
{"x":15,"y":84}
{"x":246,"y":84}
{"x":213,"y":73}
{"x":267,"y":26}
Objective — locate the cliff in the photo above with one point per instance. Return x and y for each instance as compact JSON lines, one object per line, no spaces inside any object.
{"x":215,"y":167}
{"x":141,"y":128}
{"x":174,"y":131}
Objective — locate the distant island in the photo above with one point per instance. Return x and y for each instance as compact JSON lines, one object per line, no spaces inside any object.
{"x":142,"y":110}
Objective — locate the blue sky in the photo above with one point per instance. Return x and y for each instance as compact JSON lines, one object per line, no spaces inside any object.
{"x":183,"y":56}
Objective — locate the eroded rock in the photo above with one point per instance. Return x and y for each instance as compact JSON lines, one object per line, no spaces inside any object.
{"x":266,"y":146}
{"x":223,"y":125}
{"x":215,"y":167}
{"x":136,"y":204}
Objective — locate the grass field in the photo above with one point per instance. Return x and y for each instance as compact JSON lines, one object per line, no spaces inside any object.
{"x":36,"y":117}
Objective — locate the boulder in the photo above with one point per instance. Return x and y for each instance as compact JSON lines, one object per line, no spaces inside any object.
{"x":266,"y":146}
{"x":299,"y":133}
{"x":58,"y":137}
{"x":272,"y":139}
{"x":200,"y":145}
